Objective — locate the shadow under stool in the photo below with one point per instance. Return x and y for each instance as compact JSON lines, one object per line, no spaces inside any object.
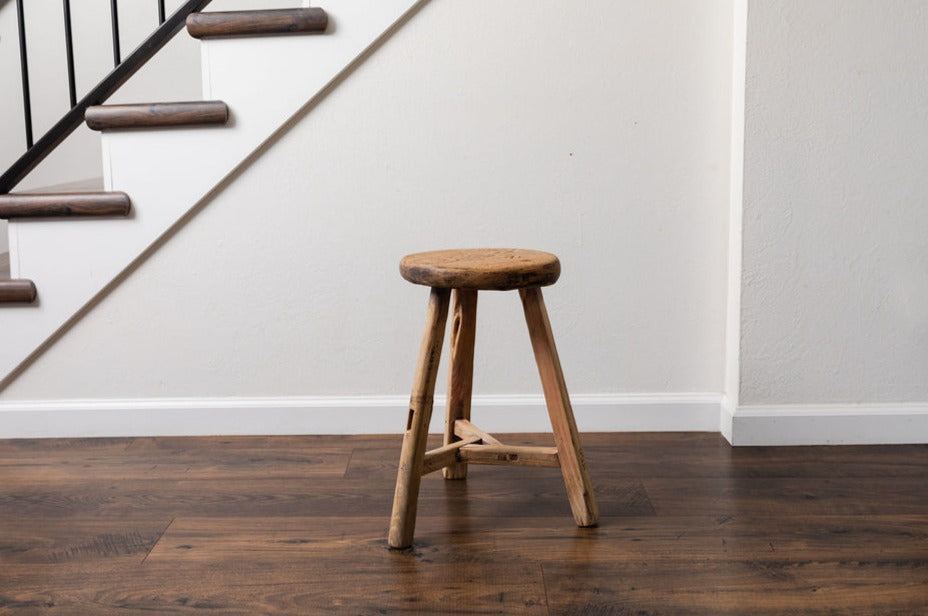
{"x":457,"y":276}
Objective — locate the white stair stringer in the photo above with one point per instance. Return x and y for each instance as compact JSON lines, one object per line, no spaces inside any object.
{"x":265,"y":81}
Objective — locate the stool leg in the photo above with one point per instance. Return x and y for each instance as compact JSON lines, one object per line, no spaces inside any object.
{"x":409,"y":475}
{"x":461,"y":371}
{"x":567,"y":439}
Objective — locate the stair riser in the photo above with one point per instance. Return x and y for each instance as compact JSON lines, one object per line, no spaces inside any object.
{"x":64,"y":205}
{"x":248,"y":23}
{"x":154,"y":115}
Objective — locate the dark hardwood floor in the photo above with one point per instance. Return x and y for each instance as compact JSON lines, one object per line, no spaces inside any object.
{"x":297,"y":525}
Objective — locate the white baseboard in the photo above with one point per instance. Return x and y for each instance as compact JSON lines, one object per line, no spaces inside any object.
{"x":726,"y":419}
{"x":344,"y":415}
{"x":831,"y":424}
{"x":744,"y":426}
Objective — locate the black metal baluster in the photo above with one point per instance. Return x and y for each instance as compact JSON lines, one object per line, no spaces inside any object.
{"x":160,"y":11}
{"x":24,"y":65}
{"x":114,"y":13}
{"x":38,"y":150}
{"x":69,"y":47}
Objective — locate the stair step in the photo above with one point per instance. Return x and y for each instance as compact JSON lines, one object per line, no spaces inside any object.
{"x":246,"y":23}
{"x":4,"y":265}
{"x":17,"y":292}
{"x":35,"y":205}
{"x":150,"y":115}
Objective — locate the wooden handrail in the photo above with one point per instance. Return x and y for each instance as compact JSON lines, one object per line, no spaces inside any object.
{"x":102,"y":91}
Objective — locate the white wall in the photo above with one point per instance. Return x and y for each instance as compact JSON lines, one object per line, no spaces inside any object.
{"x":835,"y":280}
{"x":597,"y":130}
{"x":603,"y":132}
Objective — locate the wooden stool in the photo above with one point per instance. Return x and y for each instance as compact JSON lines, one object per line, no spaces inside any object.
{"x":466,"y":272}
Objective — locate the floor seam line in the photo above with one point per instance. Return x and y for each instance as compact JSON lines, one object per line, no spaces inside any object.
{"x":348,"y":463}
{"x":544,"y":587}
{"x":157,"y":541}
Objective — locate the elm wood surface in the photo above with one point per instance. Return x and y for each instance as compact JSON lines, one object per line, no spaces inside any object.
{"x":514,"y":455}
{"x":567,"y":438}
{"x":464,"y":429}
{"x":466,"y":272}
{"x":17,"y":291}
{"x":244,"y":23}
{"x":152,"y":115}
{"x":290,"y":525}
{"x":294,"y":525}
{"x":38,"y":205}
{"x":412,"y":455}
{"x":491,"y":269}
{"x":460,"y":370}
{"x":444,"y":456}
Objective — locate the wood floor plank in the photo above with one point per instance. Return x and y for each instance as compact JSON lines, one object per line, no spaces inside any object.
{"x":390,"y":586}
{"x":788,"y":496}
{"x":724,"y":587}
{"x":502,"y":495}
{"x":21,"y":449}
{"x":701,"y":455}
{"x":73,"y":539}
{"x":544,"y":539}
{"x":293,"y":525}
{"x":171,"y":458}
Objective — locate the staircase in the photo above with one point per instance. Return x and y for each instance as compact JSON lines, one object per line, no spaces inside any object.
{"x":261,"y":68}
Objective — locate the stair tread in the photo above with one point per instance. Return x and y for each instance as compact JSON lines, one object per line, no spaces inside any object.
{"x":257,"y":22}
{"x":153,"y":115}
{"x":35,"y":205}
{"x":17,"y":291}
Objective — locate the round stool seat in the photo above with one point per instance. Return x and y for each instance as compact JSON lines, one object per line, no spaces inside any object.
{"x":492,"y":269}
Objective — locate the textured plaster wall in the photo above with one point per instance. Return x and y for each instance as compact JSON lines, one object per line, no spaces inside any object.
{"x":835,"y":247}
{"x":597,"y":130}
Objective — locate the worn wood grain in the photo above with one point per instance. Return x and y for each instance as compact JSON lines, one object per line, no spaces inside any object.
{"x":734,"y":587}
{"x":17,"y":292}
{"x":460,"y":369}
{"x":511,"y":455}
{"x":547,"y":539}
{"x":58,"y":540}
{"x":492,"y":269}
{"x":820,"y":496}
{"x":688,"y":525}
{"x":464,"y":429}
{"x":82,"y":204}
{"x":409,"y":472}
{"x":566,"y":436}
{"x":444,"y":456}
{"x":156,"y":115}
{"x":257,"y":22}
